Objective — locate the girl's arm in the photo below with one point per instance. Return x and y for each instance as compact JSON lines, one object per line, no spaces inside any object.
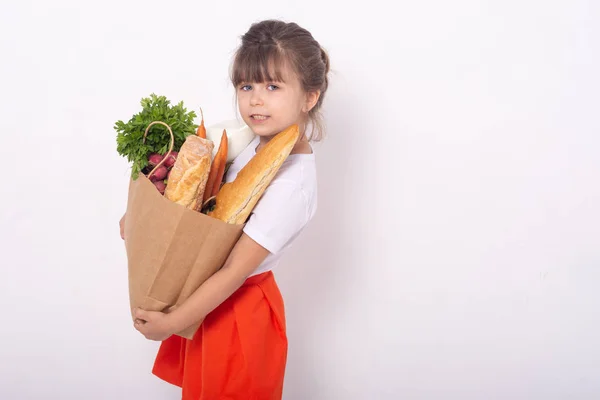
{"x":245,"y":257}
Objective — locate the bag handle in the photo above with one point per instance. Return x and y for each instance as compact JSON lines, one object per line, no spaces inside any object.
{"x":170,"y":146}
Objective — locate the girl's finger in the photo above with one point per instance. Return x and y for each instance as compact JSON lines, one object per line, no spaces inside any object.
{"x":140,"y":314}
{"x":139,"y":326}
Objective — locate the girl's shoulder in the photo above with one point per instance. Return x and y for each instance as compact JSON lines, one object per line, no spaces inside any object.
{"x":287,"y":205}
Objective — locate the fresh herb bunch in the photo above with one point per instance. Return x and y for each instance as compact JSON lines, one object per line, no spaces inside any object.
{"x":131,"y":134}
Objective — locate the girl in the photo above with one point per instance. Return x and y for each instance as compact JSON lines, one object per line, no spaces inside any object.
{"x":240,"y":350}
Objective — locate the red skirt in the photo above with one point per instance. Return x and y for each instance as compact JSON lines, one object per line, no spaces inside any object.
{"x":239,"y":351}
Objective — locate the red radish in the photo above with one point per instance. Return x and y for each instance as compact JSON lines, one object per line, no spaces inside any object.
{"x":170,"y":161}
{"x":159,"y":174}
{"x":154,"y":159}
{"x":169,"y":173}
{"x":160,"y":185}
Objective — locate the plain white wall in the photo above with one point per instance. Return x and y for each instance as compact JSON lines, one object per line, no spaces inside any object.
{"x":456,"y":251}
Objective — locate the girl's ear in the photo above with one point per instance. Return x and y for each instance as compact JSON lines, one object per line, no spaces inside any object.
{"x":311,"y":100}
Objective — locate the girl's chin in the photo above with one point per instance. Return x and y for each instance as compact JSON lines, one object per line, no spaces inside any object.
{"x":263,"y":131}
{"x":267,"y":131}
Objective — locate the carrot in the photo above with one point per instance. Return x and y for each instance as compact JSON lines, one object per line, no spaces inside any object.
{"x":201,"y":129}
{"x":222,"y":156}
{"x":217,"y":170}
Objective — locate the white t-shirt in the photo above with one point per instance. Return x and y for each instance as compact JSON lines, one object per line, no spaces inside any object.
{"x":286,"y":206}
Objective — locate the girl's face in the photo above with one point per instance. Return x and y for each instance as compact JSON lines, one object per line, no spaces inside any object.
{"x":270,"y":107}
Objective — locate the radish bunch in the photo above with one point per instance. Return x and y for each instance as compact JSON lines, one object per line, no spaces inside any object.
{"x":161,"y":175}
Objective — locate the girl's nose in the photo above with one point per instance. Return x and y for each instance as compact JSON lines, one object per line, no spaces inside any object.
{"x":256,"y":98}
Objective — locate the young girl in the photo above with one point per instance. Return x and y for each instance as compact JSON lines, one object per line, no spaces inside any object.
{"x":240,"y":350}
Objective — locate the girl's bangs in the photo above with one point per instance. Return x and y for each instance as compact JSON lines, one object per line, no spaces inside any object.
{"x":258,"y":64}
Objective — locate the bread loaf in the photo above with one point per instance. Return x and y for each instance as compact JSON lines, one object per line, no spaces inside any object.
{"x":188,"y":176}
{"x":236,"y":200}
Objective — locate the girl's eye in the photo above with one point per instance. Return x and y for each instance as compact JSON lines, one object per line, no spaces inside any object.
{"x":245,"y":87}
{"x":273,"y":87}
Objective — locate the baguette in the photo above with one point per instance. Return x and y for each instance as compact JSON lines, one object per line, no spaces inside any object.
{"x":236,"y":200}
{"x":187,"y":180}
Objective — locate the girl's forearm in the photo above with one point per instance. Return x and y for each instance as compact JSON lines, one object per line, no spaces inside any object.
{"x":245,"y":257}
{"x":207,"y":297}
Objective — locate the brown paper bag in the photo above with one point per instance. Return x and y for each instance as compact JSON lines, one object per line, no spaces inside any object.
{"x":171,"y":250}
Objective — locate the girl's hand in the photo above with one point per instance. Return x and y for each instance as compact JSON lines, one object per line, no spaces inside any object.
{"x":154,"y":325}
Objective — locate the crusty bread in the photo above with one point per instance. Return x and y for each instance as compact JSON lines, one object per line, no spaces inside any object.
{"x":236,"y":200}
{"x":188,"y":177}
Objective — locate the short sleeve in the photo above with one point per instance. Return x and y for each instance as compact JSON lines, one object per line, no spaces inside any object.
{"x":278,"y":217}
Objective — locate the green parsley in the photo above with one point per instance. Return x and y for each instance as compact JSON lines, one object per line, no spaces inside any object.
{"x":130,"y":135}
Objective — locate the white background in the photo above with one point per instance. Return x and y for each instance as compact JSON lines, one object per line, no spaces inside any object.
{"x":456,"y":250}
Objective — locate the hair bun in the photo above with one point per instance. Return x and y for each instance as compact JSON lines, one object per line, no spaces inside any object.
{"x":325,"y":59}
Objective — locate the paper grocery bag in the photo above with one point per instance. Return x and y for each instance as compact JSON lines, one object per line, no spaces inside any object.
{"x":171,"y":250}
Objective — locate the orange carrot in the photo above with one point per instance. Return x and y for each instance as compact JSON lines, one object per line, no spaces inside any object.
{"x":201,"y":129}
{"x":217,"y":170}
{"x":222,"y":156}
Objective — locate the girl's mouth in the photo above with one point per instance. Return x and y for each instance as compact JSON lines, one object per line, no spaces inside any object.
{"x":259,"y":117}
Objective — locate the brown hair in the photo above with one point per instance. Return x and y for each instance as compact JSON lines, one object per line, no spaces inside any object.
{"x":271,"y":43}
